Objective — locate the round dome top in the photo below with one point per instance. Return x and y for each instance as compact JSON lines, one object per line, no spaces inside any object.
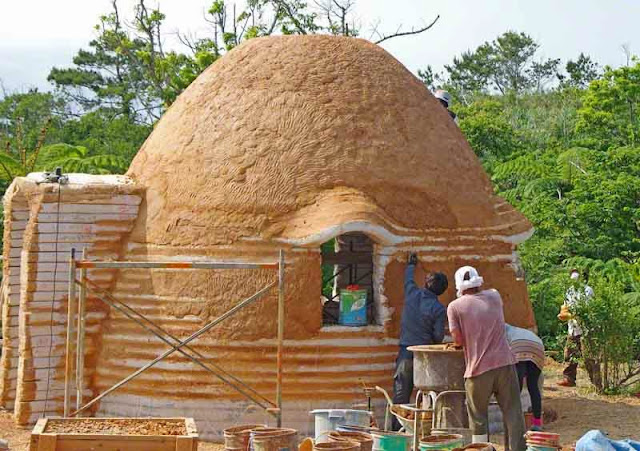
{"x":288,"y":137}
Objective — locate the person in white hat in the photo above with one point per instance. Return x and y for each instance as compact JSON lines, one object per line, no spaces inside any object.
{"x":445,"y":100}
{"x":579,"y":292}
{"x":476,"y":322}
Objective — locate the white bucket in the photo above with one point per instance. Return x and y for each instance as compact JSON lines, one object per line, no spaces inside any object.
{"x":327,"y":420}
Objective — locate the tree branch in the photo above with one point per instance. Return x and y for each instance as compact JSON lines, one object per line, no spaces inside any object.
{"x":287,"y":9}
{"x":186,"y":41}
{"x":275,"y":20}
{"x":408,"y":33}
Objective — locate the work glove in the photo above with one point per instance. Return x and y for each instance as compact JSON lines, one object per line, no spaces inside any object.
{"x":413,"y":258}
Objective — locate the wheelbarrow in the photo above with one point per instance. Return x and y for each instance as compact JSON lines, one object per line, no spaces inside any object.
{"x":406,"y":413}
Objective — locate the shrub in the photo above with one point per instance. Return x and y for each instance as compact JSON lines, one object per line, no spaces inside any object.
{"x":611,"y":334}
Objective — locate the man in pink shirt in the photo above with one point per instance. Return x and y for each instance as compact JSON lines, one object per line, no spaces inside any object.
{"x":476,"y":322}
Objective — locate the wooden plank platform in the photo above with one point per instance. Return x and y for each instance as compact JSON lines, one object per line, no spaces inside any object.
{"x":41,"y":440}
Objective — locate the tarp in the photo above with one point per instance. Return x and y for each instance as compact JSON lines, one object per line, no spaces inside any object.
{"x":597,"y":441}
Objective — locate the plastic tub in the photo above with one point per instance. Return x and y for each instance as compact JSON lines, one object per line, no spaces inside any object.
{"x":354,"y":428}
{"x":237,"y":438}
{"x":467,"y":435}
{"x":345,"y":445}
{"x":441,"y":442}
{"x":327,"y":420}
{"x":365,"y":440}
{"x":480,"y":447}
{"x":391,"y":441}
{"x":273,"y":439}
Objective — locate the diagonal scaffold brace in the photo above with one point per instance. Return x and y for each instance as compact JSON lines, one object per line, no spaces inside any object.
{"x":176,"y":344}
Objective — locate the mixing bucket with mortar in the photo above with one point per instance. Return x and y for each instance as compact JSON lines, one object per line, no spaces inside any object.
{"x":438,"y":368}
{"x":439,"y":371}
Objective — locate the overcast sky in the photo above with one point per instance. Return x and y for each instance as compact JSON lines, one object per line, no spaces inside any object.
{"x":38,"y":34}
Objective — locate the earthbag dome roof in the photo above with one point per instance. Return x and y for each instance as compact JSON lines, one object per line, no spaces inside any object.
{"x":288,"y":137}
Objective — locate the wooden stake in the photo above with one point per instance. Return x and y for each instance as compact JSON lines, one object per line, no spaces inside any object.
{"x":280,"y":336}
{"x":68,"y":372}
{"x":80,"y":340}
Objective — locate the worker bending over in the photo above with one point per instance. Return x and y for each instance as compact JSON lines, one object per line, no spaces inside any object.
{"x":528,"y":350}
{"x":423,"y":321}
{"x":476,"y":322}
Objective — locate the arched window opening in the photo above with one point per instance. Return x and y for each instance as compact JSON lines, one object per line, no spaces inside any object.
{"x":347,"y":281}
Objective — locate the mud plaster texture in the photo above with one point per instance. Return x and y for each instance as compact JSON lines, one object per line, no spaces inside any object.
{"x":288,"y":140}
{"x":286,"y":136}
{"x":285,"y":143}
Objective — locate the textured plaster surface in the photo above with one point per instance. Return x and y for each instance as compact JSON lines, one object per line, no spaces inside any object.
{"x":284,"y":143}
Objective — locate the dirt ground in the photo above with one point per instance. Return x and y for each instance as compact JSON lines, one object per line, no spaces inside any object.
{"x":578,"y":409}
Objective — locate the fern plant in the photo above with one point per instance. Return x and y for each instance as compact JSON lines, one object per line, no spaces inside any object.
{"x":21,"y":161}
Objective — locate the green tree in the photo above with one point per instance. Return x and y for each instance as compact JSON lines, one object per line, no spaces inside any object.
{"x":511,"y":54}
{"x":105,"y":135}
{"x":47,"y":158}
{"x":611,"y":324}
{"x":581,"y":72}
{"x":609,"y":115}
{"x":505,"y":65}
{"x":541,"y":73}
{"x":126,"y":71}
{"x":22,"y":116}
{"x":490,"y":134}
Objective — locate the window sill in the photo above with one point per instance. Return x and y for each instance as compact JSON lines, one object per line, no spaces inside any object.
{"x":346,"y":329}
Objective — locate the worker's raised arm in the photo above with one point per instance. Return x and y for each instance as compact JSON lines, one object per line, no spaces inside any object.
{"x":410,"y":284}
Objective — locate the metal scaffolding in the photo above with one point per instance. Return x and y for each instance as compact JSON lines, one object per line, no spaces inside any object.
{"x":177,"y":345}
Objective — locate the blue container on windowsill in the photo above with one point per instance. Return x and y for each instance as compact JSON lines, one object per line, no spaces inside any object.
{"x":353,"y":306}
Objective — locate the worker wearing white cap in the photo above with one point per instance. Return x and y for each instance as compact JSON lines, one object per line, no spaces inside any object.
{"x":476,"y":322}
{"x":445,"y":100}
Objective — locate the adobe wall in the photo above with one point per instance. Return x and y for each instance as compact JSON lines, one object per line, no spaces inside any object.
{"x":43,"y":221}
{"x":323,"y":366}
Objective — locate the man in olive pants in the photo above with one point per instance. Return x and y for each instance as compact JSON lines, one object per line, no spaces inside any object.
{"x":479,"y":390}
{"x":476,"y":322}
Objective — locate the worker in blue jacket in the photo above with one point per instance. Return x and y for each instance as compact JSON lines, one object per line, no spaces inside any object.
{"x":423,"y":321}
